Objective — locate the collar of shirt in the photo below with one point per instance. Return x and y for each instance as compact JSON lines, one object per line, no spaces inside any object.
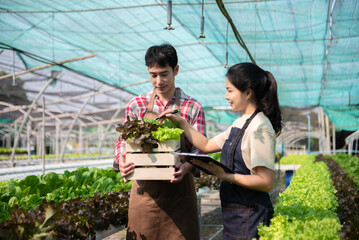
{"x":158,"y":102}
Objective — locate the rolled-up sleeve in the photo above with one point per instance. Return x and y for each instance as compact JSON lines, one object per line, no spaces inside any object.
{"x":262,"y":145}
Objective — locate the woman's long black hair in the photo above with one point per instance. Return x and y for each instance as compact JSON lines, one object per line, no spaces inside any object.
{"x":248,"y":75}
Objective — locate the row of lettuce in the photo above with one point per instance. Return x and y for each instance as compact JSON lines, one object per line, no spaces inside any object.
{"x":72,"y":205}
{"x":22,"y":156}
{"x":4,"y":150}
{"x":320,"y":203}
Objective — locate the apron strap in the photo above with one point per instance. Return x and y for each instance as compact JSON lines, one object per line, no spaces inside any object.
{"x":177,"y":100}
{"x":231,"y":157}
{"x":238,"y":138}
{"x":151,"y":102}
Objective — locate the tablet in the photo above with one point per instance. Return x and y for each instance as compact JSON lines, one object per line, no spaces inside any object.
{"x":202,"y":157}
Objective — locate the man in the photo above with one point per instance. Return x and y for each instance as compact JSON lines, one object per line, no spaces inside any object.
{"x":162,"y":209}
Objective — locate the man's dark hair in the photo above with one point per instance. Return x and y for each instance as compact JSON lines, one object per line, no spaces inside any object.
{"x":162,"y":55}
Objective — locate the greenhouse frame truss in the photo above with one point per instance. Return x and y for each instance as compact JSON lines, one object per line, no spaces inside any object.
{"x":70,"y":68}
{"x":27,"y":131}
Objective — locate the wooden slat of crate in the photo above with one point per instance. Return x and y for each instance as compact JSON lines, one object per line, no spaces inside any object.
{"x":152,"y":173}
{"x":165,"y":146}
{"x":152,"y":159}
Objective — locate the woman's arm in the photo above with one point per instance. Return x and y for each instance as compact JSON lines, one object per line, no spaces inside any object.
{"x":262,"y":181}
{"x":202,"y":143}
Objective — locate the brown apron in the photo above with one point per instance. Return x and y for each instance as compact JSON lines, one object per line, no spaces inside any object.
{"x":160,"y":209}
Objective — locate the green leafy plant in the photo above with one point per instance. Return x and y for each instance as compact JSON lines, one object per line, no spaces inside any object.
{"x":8,"y":151}
{"x":30,"y":192}
{"x":216,"y":156}
{"x":146,"y":132}
{"x":293,"y":159}
{"x":210,"y":181}
{"x":307,"y":208}
{"x":166,"y":133}
{"x":348,"y":198}
{"x":77,"y":218}
{"x":349,"y":163}
{"x":54,"y":156}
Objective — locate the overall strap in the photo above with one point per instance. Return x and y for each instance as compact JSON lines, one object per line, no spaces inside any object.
{"x":151,"y":102}
{"x":177,"y":100}
{"x":238,"y":138}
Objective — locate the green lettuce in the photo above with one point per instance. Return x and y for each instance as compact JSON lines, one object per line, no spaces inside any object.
{"x":167,"y":130}
{"x":166,"y":133}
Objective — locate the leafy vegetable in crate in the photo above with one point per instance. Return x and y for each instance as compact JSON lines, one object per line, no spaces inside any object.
{"x":146,"y":132}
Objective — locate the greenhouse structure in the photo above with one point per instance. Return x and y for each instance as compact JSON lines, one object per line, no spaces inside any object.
{"x":69,"y":68}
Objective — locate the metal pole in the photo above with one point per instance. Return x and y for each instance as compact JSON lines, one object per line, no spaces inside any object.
{"x":106,"y":130}
{"x":321,"y":129}
{"x":46,"y":66}
{"x":26,"y":117}
{"x":43,"y":136}
{"x":57,"y":139}
{"x":308,"y":134}
{"x":334,"y":140}
{"x":81,"y":142}
{"x":100,"y":132}
{"x":350,"y":148}
{"x":28,"y":141}
{"x":14,"y":133}
{"x":38,"y":141}
{"x":7,"y":140}
{"x":52,"y":144}
{"x":73,"y":123}
{"x":327,"y":133}
{"x":99,"y":138}
{"x":87,"y":146}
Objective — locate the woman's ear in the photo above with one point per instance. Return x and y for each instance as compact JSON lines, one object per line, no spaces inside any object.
{"x":249,"y":93}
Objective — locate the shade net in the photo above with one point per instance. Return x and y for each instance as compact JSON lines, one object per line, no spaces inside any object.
{"x":310,"y":46}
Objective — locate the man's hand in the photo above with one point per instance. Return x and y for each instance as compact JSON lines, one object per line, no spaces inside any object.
{"x":183,"y":169}
{"x":125,"y":168}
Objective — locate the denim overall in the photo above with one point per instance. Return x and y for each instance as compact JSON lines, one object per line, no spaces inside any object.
{"x":242,"y":208}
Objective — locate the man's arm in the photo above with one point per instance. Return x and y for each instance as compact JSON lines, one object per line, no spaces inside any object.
{"x":119,"y":164}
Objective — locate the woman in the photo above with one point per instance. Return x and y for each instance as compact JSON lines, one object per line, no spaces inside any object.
{"x":247,"y":147}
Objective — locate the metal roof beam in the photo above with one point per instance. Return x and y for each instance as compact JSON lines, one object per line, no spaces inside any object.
{"x":45,"y":66}
{"x":331,"y":6}
{"x":123,"y":7}
{"x":66,"y":115}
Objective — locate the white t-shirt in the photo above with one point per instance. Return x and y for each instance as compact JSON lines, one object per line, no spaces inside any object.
{"x":258,"y":142}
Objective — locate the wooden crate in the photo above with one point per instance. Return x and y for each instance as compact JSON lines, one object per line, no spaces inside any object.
{"x":158,"y":165}
{"x":165,"y":146}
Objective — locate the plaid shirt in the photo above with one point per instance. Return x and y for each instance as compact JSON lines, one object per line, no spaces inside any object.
{"x":191,"y":110}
